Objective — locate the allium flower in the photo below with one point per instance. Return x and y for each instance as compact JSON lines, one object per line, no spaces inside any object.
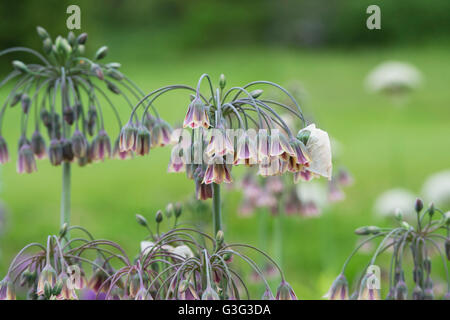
{"x":339,"y":289}
{"x":395,"y":199}
{"x":285,"y":292}
{"x":217,"y":172}
{"x":47,"y":276}
{"x":196,"y":115}
{"x":280,"y":146}
{"x":143,"y":141}
{"x":394,"y":77}
{"x":38,"y":145}
{"x":186,"y":291}
{"x":436,"y":189}
{"x":161,"y":133}
{"x":101,"y":146}
{"x":67,"y":292}
{"x":79,"y":144}
{"x":26,"y":162}
{"x":128,"y":136}
{"x":4,"y":155}
{"x":219,"y":144}
{"x":202,"y":191}
{"x":210,"y":294}
{"x":7,"y":291}
{"x":55,"y":152}
{"x":117,"y":154}
{"x":246,"y":152}
{"x":318,"y":147}
{"x":367,"y":292}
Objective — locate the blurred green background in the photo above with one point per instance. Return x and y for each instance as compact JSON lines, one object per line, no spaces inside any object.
{"x":324,"y":45}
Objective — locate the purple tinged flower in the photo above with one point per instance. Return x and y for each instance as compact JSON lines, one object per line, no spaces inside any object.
{"x":344,"y":178}
{"x":280,"y":146}
{"x":335,"y":193}
{"x":127,"y":137}
{"x":202,"y":191}
{"x":67,"y":150}
{"x":4,"y":154}
{"x":26,"y":102}
{"x":38,"y":145}
{"x":219,"y":144}
{"x":285,"y":292}
{"x":196,"y":115}
{"x":339,"y":289}
{"x":121,"y":155}
{"x":7,"y":290}
{"x":418,"y":293}
{"x":69,"y":115}
{"x":101,"y":146}
{"x":217,"y":172}
{"x":67,"y":293}
{"x":186,"y":291}
{"x":401,"y":291}
{"x":268,"y":295}
{"x":210,"y":294}
{"x":79,"y":144}
{"x":143,"y":141}
{"x":161,"y":133}
{"x":48,"y":275}
{"x":246,"y":152}
{"x":367,"y":292}
{"x":176,"y":163}
{"x":55,"y":152}
{"x":26,"y":162}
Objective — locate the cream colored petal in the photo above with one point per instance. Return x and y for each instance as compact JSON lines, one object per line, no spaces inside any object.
{"x":319,"y":149}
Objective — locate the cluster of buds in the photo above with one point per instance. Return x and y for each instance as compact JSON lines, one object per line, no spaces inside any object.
{"x":426,"y":239}
{"x":177,"y":265}
{"x":65,"y":94}
{"x":237,"y":127}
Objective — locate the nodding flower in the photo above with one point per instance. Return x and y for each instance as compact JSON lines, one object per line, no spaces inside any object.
{"x":38,"y":145}
{"x":7,"y":291}
{"x":272,"y":166}
{"x":285,"y":292}
{"x":127,"y":137}
{"x":101,"y":146}
{"x":217,"y":171}
{"x":26,"y":162}
{"x":55,"y":152}
{"x":67,"y":292}
{"x":161,"y":133}
{"x":47,"y":276}
{"x":210,"y":294}
{"x":219,"y":144}
{"x":122,"y":155}
{"x":367,"y":292}
{"x":4,"y":154}
{"x":280,"y":146}
{"x":176,"y":162}
{"x":79,"y":144}
{"x":202,"y":191}
{"x":143,"y":141}
{"x":186,"y":291}
{"x":246,"y":152}
{"x":339,"y":289}
{"x":196,"y":115}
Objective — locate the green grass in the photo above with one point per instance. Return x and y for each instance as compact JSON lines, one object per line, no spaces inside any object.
{"x":384,"y":146}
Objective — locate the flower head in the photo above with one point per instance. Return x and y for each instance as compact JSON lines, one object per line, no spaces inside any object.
{"x":26,"y":162}
{"x":128,"y":136}
{"x":217,"y":171}
{"x":285,"y":292}
{"x":196,"y":115}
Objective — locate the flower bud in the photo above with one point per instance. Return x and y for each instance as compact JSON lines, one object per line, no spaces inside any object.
{"x":63,"y":230}
{"x":285,"y":292}
{"x":71,"y":38}
{"x":20,"y":66}
{"x":38,"y":145}
{"x":82,"y":38}
{"x":26,"y":102}
{"x":114,"y":65}
{"x":101,"y":53}
{"x":97,"y":70}
{"x":4,"y":154}
{"x":62,"y":46}
{"x":112,"y":87}
{"x":115,"y":74}
{"x":178,"y":210}
{"x":26,"y":162}
{"x":47,"y":46}
{"x":67,"y":150}
{"x":427,"y":265}
{"x":169,"y":210}
{"x":417,"y":293}
{"x":55,"y":152}
{"x":222,"y":81}
{"x":419,"y":205}
{"x":42,"y":33}
{"x":210,"y":294}
{"x":431,"y":209}
{"x":401,"y":291}
{"x":141,"y":220}
{"x":159,"y":216}
{"x":80,"y":49}
{"x":15,"y":100}
{"x":219,"y":238}
{"x":69,"y":115}
{"x":363,"y":231}
{"x":79,"y":144}
{"x":101,"y":146}
{"x":256,"y":93}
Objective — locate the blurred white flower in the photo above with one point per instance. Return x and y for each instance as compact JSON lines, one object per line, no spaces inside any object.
{"x":388,"y":202}
{"x":313,"y":192}
{"x":437,"y":189}
{"x":393,"y":77}
{"x":146,"y":246}
{"x":183,"y":251}
{"x":319,"y":149}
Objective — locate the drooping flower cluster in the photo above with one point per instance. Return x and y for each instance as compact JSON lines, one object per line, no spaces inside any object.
{"x":428,"y":237}
{"x":62,"y":100}
{"x":237,"y":127}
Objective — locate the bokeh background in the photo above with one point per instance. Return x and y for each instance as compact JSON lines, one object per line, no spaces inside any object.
{"x":323,"y":45}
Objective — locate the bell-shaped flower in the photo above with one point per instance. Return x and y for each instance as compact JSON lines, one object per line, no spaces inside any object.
{"x":143,"y":141}
{"x":197,"y":115}
{"x":285,"y":292}
{"x":26,"y":162}
{"x":4,"y":154}
{"x":219,"y":144}
{"x":217,"y":172}
{"x":127,"y":137}
{"x":246,"y":150}
{"x":47,"y":276}
{"x":339,"y":289}
{"x":38,"y":145}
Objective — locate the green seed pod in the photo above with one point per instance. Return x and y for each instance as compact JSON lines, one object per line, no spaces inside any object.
{"x":57,"y":288}
{"x":101,"y":53}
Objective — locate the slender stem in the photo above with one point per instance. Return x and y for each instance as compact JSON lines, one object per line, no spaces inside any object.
{"x":65,"y":195}
{"x":217,"y":215}
{"x":278,"y":237}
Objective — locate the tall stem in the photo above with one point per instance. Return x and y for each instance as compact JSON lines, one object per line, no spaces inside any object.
{"x":278,"y":237}
{"x":65,"y":195}
{"x":217,"y":214}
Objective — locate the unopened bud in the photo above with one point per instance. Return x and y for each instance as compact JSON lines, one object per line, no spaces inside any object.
{"x":431,"y":209}
{"x":141,"y":220}
{"x":82,"y":38}
{"x":101,"y":53}
{"x":42,"y":33}
{"x":20,"y":66}
{"x":419,"y":205}
{"x":219,"y":238}
{"x":256,"y":93}
{"x":170,"y":210}
{"x":159,"y":216}
{"x":222,"y":81}
{"x":63,"y":230}
{"x":178,"y":210}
